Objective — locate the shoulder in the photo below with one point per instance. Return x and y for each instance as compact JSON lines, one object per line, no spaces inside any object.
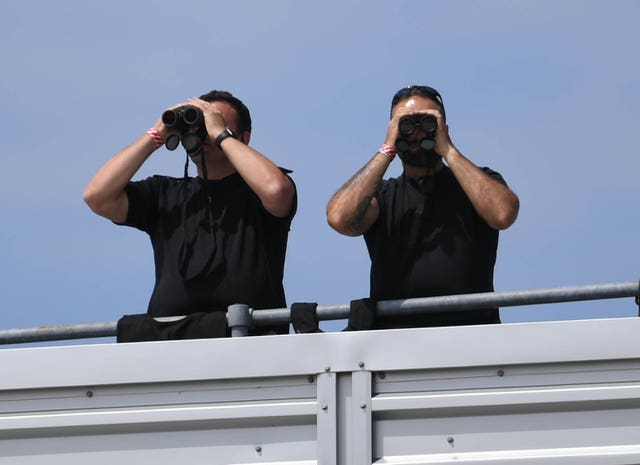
{"x":390,"y":184}
{"x":493,"y":174}
{"x":156,"y":186}
{"x":158,"y":180}
{"x":388,"y":190}
{"x":287,"y":172}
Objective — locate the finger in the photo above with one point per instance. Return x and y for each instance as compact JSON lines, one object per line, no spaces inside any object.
{"x":177,"y":105}
{"x":196,"y":102}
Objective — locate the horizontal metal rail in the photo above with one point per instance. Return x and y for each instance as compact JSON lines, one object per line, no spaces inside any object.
{"x":58,"y":332}
{"x":338,"y":312}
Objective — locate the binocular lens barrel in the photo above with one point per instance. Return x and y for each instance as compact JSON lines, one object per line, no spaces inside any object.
{"x":427,"y":144}
{"x":191,"y":115}
{"x":402,"y":145}
{"x":409,"y":123}
{"x":191,"y":142}
{"x":172,"y":141}
{"x":170,"y":118}
{"x":428,"y":124}
{"x":406,"y":126}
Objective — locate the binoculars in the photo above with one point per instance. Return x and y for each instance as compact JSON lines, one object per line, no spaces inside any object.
{"x":408,"y":125}
{"x":187,"y":126}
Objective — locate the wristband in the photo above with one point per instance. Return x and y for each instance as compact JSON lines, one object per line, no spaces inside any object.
{"x":387,"y":151}
{"x":223,"y":135}
{"x":155,"y":135}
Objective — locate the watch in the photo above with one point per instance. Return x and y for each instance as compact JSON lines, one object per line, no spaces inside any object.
{"x":223,"y":135}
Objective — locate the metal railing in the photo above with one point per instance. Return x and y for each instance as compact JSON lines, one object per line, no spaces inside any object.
{"x":241,"y":317}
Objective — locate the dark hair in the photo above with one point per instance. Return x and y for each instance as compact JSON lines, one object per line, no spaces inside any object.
{"x":422,"y":91}
{"x":244,"y":117}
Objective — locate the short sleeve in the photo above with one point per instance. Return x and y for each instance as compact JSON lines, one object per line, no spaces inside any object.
{"x":494,"y":175}
{"x":143,"y":203}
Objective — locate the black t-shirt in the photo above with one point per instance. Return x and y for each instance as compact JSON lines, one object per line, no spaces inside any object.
{"x":214,"y":244}
{"x":429,"y":241}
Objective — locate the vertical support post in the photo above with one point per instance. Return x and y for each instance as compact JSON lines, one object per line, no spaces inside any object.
{"x":239,"y":319}
{"x":327,"y":419}
{"x":361,"y":429}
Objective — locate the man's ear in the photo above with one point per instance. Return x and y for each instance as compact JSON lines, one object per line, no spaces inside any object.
{"x":245,"y":137}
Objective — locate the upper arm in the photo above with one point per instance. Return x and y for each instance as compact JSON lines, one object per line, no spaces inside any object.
{"x":370,"y":216}
{"x":120,"y":210}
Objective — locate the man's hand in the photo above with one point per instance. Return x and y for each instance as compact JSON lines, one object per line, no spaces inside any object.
{"x":213,"y":119}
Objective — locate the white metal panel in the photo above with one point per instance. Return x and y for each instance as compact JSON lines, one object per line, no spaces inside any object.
{"x":184,"y":393}
{"x":551,"y":393}
{"x":214,"y":422}
{"x":615,"y":455}
{"x":286,"y":444}
{"x":587,"y":412}
{"x":500,"y":430}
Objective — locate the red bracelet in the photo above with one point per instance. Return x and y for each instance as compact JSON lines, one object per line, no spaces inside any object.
{"x":155,"y":135}
{"x":387,"y":151}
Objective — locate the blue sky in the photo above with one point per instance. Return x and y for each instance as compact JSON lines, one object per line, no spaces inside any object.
{"x":545,"y":92}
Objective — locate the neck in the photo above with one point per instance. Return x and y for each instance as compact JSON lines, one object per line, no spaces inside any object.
{"x":216,"y":168}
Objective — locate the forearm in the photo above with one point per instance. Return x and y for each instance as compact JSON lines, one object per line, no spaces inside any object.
{"x":105,"y":193}
{"x":271,"y":185}
{"x":353,"y":209}
{"x":492,"y":200}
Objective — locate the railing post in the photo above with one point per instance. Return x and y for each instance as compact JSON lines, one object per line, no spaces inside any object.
{"x":239,"y":319}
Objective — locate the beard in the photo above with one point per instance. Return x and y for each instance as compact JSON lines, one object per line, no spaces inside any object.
{"x":421,"y":158}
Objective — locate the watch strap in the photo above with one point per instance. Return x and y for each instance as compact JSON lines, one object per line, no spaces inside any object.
{"x":223,"y":135}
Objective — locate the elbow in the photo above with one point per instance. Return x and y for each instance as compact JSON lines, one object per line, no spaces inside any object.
{"x":507,"y":215}
{"x":502,"y":223}
{"x":339,"y":221}
{"x":335,"y":220}
{"x":114,"y":209}
{"x":91,"y":198}
{"x":278,"y":197}
{"x":281,"y":192}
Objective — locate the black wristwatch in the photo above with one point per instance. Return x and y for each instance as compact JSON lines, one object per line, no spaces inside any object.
{"x":223,"y":135}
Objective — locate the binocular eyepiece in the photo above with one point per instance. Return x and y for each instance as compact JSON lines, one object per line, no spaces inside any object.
{"x":407,"y":126}
{"x":187,"y":126}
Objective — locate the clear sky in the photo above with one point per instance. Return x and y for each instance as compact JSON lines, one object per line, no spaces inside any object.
{"x":545,"y":92}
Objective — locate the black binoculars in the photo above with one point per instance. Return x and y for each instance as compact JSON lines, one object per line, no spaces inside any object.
{"x":187,"y":126}
{"x":408,"y":125}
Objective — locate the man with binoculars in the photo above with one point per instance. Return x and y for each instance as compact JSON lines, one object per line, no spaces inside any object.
{"x":218,"y":238}
{"x":433,"y":230}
